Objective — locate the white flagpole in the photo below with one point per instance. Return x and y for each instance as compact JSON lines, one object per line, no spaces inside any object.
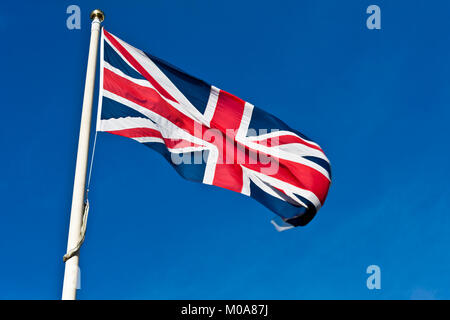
{"x":76,"y":214}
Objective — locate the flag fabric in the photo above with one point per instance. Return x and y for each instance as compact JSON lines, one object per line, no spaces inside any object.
{"x":209,"y":135}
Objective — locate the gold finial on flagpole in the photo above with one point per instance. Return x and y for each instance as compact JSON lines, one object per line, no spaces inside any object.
{"x":97,"y":13}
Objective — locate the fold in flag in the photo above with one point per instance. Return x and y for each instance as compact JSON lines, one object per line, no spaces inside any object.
{"x":209,"y":135}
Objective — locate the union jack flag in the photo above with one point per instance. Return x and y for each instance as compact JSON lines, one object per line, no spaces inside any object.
{"x":209,"y":135}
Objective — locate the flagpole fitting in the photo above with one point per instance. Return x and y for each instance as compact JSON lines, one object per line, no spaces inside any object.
{"x":97,"y":13}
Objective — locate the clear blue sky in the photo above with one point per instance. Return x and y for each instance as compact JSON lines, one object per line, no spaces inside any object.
{"x":377,"y":101}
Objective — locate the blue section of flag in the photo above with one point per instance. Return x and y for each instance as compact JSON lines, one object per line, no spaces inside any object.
{"x":295,"y":215}
{"x":112,"y":109}
{"x":113,"y":58}
{"x":190,"y":170}
{"x":262,"y":120}
{"x":195,"y":90}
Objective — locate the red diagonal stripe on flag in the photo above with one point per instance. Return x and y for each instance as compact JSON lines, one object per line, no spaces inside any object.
{"x":137,"y":66}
